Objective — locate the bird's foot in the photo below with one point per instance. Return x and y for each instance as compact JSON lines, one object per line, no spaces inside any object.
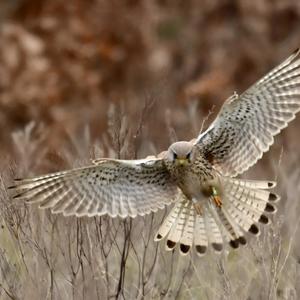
{"x":216,"y":197}
{"x":218,"y":201}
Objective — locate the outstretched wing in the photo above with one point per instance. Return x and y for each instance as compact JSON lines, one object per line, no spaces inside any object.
{"x":115,"y":187}
{"x":246,"y":124}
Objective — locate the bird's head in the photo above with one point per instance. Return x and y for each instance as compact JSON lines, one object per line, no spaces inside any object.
{"x":180,"y":153}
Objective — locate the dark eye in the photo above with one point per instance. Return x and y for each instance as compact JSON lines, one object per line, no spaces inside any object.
{"x":188,"y":156}
{"x":174,"y":155}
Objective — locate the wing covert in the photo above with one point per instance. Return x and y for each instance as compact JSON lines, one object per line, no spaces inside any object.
{"x":246,"y":124}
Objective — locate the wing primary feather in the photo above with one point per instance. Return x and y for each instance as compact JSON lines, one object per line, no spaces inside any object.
{"x":115,"y":187}
{"x":250,"y":121}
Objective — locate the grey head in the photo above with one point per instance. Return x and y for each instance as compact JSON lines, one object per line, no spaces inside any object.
{"x":180,"y":153}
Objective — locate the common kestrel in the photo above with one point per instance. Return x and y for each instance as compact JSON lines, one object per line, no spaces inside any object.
{"x":211,"y":205}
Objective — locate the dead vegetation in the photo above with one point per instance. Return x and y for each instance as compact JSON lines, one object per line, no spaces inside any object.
{"x":86,"y":79}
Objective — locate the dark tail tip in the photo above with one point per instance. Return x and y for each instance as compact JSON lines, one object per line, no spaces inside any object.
{"x":184,"y":248}
{"x":201,"y":249}
{"x":270,"y":208}
{"x":273,"y":197}
{"x":254,"y":229}
{"x":263,"y":219}
{"x":217,"y":246}
{"x":242,"y":240}
{"x":158,"y":237}
{"x":234,"y":244}
{"x":170,"y":244}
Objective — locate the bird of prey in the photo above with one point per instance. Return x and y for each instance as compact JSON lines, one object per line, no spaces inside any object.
{"x":199,"y":177}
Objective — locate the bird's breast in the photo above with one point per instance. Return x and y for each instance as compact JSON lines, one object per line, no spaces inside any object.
{"x":192,"y":184}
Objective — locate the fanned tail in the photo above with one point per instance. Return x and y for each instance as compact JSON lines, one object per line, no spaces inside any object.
{"x":244,"y":204}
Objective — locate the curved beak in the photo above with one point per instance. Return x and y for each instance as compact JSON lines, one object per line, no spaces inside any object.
{"x":181,"y":161}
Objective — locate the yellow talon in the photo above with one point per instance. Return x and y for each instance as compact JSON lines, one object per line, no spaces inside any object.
{"x":218,"y":201}
{"x":216,"y":197}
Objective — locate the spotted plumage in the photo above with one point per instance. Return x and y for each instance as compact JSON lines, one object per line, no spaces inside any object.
{"x":211,"y":205}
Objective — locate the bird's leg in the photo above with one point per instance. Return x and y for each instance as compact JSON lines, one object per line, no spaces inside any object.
{"x":216,"y":197}
{"x":197,"y":206}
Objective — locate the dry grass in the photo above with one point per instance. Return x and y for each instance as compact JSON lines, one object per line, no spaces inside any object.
{"x":46,"y":256}
{"x":124,"y":80}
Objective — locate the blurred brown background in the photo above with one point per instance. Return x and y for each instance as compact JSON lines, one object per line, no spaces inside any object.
{"x":62,"y":63}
